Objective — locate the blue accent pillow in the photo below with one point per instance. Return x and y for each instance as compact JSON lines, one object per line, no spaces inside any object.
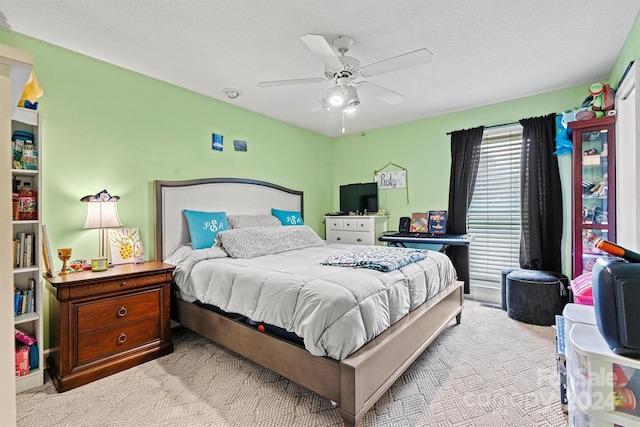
{"x":288,"y":217}
{"x":204,"y":226}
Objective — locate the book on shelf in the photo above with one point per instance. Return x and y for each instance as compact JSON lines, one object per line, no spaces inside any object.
{"x":16,"y":251}
{"x":23,"y":250}
{"x":19,"y":250}
{"x":23,"y":301}
{"x":28,"y":250}
{"x":17,"y":303}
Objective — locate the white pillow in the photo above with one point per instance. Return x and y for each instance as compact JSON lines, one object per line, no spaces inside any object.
{"x":247,"y":221}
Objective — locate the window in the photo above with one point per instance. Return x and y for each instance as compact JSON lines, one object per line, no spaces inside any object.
{"x":494,"y":213}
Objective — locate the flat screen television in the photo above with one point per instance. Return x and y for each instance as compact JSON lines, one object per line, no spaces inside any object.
{"x":359,"y":197}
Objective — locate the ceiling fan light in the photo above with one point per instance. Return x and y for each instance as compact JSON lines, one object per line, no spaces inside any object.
{"x":336,"y":100}
{"x":352,"y":97}
{"x":333,"y":98}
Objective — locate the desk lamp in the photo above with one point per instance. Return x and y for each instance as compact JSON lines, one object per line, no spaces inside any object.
{"x":102,"y":213}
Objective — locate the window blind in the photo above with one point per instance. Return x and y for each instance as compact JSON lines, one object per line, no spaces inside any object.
{"x":494,"y":213}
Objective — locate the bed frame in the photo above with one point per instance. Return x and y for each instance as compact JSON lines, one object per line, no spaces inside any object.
{"x":356,"y":382}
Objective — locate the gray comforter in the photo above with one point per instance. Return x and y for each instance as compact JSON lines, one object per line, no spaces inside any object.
{"x":335,"y":310}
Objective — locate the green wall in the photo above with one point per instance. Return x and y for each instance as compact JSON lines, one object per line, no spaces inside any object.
{"x":629,"y":53}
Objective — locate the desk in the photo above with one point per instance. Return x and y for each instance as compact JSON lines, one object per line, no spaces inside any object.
{"x":458,"y":243}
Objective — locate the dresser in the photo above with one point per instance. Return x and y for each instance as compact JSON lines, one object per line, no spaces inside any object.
{"x":355,"y":229}
{"x":105,"y":322}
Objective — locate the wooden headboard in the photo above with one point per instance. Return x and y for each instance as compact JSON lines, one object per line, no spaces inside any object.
{"x":235,"y":196}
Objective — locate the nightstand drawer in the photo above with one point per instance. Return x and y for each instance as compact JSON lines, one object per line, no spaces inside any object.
{"x":118,"y":310}
{"x":122,"y":284}
{"x":116,"y":339}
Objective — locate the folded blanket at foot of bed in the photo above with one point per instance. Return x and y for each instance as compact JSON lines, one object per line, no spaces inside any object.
{"x":377,"y":258}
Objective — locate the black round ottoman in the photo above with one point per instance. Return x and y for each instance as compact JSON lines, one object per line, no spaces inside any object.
{"x":535,"y":296}
{"x":503,"y":286}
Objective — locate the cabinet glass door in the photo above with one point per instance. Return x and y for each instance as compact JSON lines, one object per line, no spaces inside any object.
{"x":595,"y":177}
{"x":595,"y":190}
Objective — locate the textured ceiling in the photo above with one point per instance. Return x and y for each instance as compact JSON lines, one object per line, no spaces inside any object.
{"x":483,"y":51}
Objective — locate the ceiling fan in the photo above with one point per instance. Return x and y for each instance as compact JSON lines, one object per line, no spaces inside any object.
{"x":346,"y":70}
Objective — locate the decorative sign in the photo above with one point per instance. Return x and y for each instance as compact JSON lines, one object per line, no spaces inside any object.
{"x":391,"y":179}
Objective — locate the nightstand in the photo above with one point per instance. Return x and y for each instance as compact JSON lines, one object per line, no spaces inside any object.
{"x":101,"y":323}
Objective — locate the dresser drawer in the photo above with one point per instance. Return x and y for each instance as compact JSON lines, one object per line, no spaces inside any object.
{"x":351,"y":238}
{"x":115,"y":339}
{"x":349,"y":223}
{"x":335,"y":223}
{"x":118,"y":310}
{"x":363,"y":224}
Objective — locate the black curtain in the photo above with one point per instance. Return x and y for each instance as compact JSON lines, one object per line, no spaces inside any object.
{"x":465,"y":157}
{"x":541,"y":196}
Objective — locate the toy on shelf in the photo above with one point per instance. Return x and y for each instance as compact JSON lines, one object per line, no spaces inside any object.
{"x":599,"y":103}
{"x":32,"y":91}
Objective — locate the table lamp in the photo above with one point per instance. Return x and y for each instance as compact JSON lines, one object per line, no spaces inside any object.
{"x":102,"y":213}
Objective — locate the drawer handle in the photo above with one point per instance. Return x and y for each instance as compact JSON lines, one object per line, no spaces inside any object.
{"x":359,"y":240}
{"x":121,"y":338}
{"x":339,"y":238}
{"x":124,"y":283}
{"x":122,"y":311}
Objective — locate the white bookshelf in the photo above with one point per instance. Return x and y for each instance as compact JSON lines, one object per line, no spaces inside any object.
{"x":32,"y":322}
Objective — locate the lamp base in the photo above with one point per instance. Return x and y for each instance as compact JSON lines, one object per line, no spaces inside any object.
{"x":103,"y":245}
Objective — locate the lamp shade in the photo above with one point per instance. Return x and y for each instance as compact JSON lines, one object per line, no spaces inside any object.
{"x":102,"y":215}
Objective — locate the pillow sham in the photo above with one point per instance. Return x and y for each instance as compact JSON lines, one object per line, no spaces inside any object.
{"x":246,"y":221}
{"x":253,"y":242}
{"x":288,"y":217}
{"x":204,"y":226}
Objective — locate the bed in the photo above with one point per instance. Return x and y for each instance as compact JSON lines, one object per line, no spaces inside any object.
{"x":354,"y":382}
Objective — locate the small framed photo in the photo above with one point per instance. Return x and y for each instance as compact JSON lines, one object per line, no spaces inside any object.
{"x":125,"y":245}
{"x":46,"y":253}
{"x":239,"y":145}
{"x":216,"y":141}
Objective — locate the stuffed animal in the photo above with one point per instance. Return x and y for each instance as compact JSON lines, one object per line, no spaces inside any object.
{"x":32,"y":91}
{"x":600,"y":101}
{"x":603,"y":97}
{"x":564,"y":144}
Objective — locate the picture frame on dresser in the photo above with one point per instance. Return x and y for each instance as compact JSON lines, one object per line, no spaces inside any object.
{"x":46,"y":253}
{"x":125,"y":245}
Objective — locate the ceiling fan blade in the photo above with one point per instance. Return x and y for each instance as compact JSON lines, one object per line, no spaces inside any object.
{"x":400,"y":62}
{"x":273,"y":83}
{"x":319,"y":46}
{"x":386,"y":95}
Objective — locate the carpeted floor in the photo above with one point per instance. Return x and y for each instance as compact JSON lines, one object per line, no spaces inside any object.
{"x":488,"y":371}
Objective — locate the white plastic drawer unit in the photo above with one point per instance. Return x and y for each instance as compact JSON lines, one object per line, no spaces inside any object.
{"x":604,"y":387}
